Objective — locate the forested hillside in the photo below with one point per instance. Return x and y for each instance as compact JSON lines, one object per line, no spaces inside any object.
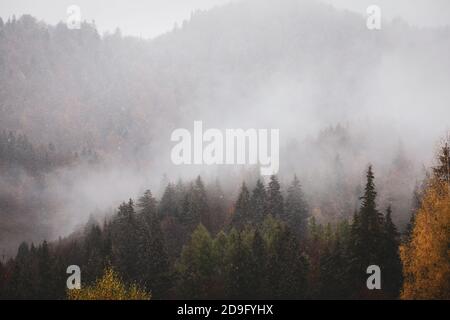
{"x":267,"y":246}
{"x":86,"y":122}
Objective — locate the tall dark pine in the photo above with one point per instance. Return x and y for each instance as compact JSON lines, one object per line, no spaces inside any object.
{"x":217,"y":205}
{"x":296,"y":209}
{"x":187,"y":216}
{"x":168,"y":206}
{"x":415,"y":205}
{"x":148,"y":206}
{"x":125,"y":241}
{"x":200,"y":204}
{"x":371,"y":220}
{"x":194,"y":206}
{"x":391,"y":266}
{"x":275,"y":199}
{"x":366,"y":239}
{"x":46,"y":282}
{"x":152,"y":259}
{"x":92,"y":251}
{"x":258,"y":203}
{"x":242,"y":210}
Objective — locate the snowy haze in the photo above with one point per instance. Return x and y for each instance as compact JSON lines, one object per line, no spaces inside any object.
{"x":342,"y":96}
{"x":150,"y":18}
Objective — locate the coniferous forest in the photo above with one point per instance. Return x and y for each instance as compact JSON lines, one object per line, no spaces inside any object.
{"x":187,"y":245}
{"x":363,"y":186}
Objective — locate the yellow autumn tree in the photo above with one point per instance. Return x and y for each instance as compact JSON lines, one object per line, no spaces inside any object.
{"x":109,"y":287}
{"x":426,"y":257}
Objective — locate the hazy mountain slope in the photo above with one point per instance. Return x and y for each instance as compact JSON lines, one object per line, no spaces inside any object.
{"x":295,"y":65}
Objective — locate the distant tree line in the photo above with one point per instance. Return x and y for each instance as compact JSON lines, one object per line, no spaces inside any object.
{"x":17,"y":152}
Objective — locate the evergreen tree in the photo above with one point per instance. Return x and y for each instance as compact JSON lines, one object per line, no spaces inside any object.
{"x":168,"y":207}
{"x":416,"y":201}
{"x":258,"y":201}
{"x":391,"y":266}
{"x":242,"y":209}
{"x":188,"y":215}
{"x":258,"y":267}
{"x":94,"y":262}
{"x":200,"y":204}
{"x":286,"y":266}
{"x":148,"y":206}
{"x":217,"y":205}
{"x":333,"y":280}
{"x":238,"y":277}
{"x":152,"y":261}
{"x":296,"y":209}
{"x":125,"y":241}
{"x":366,"y":236}
{"x":46,"y":281}
{"x":275,"y":199}
{"x":196,"y":267}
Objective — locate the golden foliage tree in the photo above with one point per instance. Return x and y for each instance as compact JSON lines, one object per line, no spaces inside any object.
{"x":109,"y":287}
{"x":426,"y":257}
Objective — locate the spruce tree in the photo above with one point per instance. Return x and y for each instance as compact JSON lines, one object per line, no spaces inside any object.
{"x":125,"y":241}
{"x":258,"y":201}
{"x":391,"y":266}
{"x":196,"y":266}
{"x":366,"y":241}
{"x":296,"y":209}
{"x":46,"y":279}
{"x":200,"y":204}
{"x":275,"y":199}
{"x":217,"y":205}
{"x":242,"y":209}
{"x":238,"y":276}
{"x":168,"y":207}
{"x":148,"y":206}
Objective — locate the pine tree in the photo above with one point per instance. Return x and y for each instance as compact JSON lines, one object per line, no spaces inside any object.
{"x":416,"y":200}
{"x":296,"y":209}
{"x":333,"y":269}
{"x":200,"y":204}
{"x":194,"y":207}
{"x":188,"y":217}
{"x":366,"y":240}
{"x":258,"y":203}
{"x":196,"y":267}
{"x":148,"y":206}
{"x":258,"y":267}
{"x":217,"y":205}
{"x":275,"y":199}
{"x":125,"y":241}
{"x":371,"y":221}
{"x":46,"y":280}
{"x":92,"y":246}
{"x":242,"y":210}
{"x":286,"y":266}
{"x":152,"y":261}
{"x":238,"y":258}
{"x":168,"y":207}
{"x":391,"y":266}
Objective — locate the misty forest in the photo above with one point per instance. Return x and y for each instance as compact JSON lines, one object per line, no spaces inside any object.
{"x":86,"y":177}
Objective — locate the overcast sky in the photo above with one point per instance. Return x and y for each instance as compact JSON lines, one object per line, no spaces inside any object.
{"x":149,"y":18}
